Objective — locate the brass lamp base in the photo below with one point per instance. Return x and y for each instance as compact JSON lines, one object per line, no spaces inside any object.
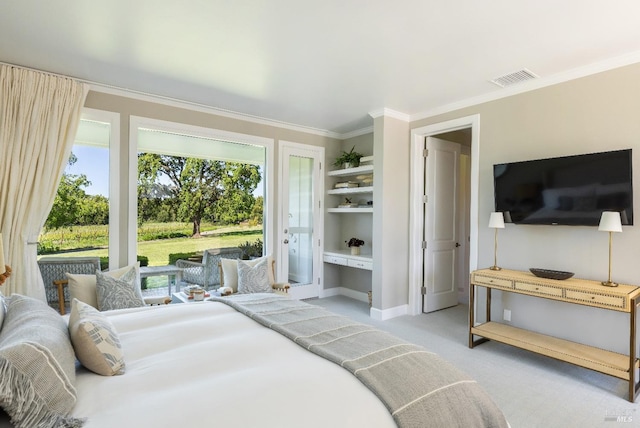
{"x":609,"y":284}
{"x":499,"y":268}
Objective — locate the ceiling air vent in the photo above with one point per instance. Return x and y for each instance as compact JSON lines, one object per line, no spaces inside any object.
{"x":513,"y":78}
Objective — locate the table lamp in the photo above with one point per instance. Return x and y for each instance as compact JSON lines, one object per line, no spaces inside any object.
{"x":610,"y":222}
{"x":496,"y":221}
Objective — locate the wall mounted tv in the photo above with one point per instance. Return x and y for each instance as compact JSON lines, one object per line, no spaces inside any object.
{"x":570,"y":190}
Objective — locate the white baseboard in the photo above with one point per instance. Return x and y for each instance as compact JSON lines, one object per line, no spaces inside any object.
{"x":347,"y":292}
{"x":377,"y":314}
{"x":387,"y":314}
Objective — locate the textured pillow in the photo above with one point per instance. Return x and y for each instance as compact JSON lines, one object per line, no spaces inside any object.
{"x":253,"y":279}
{"x":118,"y":293}
{"x":37,"y":365}
{"x":95,"y":340}
{"x":83,"y":287}
{"x":230,"y":271}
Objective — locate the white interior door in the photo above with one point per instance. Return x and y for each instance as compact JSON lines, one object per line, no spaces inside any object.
{"x":440,"y":261}
{"x":300,"y":219}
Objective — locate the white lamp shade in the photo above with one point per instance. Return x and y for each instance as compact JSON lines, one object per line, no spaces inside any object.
{"x":496,"y":221}
{"x":1,"y":256}
{"x":610,"y":222}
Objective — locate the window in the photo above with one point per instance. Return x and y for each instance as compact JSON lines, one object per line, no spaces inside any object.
{"x":82,"y":220}
{"x":196,"y":189}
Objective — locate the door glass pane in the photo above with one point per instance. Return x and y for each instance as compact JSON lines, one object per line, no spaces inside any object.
{"x":300,"y":220}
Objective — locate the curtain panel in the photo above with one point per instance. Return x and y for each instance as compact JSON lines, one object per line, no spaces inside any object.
{"x":39,"y":116}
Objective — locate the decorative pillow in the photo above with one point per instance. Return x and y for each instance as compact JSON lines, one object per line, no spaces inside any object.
{"x":118,"y":293}
{"x":37,"y":365}
{"x":253,"y":279}
{"x":230,"y":271}
{"x":83,"y":287}
{"x":95,"y":340}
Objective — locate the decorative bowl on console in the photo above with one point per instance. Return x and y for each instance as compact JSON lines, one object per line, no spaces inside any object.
{"x":551,"y":274}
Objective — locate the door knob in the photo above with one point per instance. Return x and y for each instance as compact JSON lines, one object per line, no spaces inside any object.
{"x":457,"y":244}
{"x":286,"y":241}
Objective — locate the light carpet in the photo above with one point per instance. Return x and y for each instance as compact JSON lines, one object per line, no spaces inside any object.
{"x":532,"y":390}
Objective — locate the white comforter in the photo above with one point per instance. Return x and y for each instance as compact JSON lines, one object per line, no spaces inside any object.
{"x":206,"y":365}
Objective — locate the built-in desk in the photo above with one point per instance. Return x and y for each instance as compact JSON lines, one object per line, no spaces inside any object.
{"x":344,"y":258}
{"x":623,"y":298}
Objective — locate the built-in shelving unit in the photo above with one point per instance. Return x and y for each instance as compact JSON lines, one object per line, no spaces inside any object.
{"x":342,"y":256}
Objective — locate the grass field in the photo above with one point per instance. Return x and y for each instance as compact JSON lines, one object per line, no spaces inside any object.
{"x":157,"y":251}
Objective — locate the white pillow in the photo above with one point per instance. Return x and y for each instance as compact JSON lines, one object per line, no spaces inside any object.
{"x":83,"y":287}
{"x":254,"y":277}
{"x":95,"y":340}
{"x":230,"y":271}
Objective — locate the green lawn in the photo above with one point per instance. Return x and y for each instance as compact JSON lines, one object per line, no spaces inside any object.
{"x":158,"y":251}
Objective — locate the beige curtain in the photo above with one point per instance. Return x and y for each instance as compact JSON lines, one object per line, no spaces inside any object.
{"x":39,"y":115}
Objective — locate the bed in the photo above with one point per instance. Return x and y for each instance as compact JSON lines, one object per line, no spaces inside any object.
{"x":265,"y":360}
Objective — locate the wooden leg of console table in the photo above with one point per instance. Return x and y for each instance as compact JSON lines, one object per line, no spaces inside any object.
{"x":472,"y":302}
{"x":633,"y":390}
{"x":488,"y":305}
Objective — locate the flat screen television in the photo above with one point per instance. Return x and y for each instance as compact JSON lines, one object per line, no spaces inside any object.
{"x":569,"y":190}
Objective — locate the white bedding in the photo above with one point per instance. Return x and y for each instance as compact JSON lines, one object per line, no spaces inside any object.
{"x":204,"y":364}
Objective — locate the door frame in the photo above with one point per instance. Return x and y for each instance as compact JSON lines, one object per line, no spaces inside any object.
{"x":418,"y":136}
{"x":317,"y":153}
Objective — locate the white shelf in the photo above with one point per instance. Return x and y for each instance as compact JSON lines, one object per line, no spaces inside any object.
{"x":351,"y":190}
{"x":351,"y":171}
{"x":350,"y":210}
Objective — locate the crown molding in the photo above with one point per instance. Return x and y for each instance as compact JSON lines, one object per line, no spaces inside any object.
{"x":356,"y":133}
{"x":390,"y":113}
{"x":532,"y":85}
{"x":173,"y":102}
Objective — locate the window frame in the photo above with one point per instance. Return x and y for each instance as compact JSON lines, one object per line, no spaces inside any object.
{"x":136,"y":122}
{"x":113,"y":119}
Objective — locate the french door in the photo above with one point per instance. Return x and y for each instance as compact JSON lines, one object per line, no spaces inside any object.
{"x":300,"y":220}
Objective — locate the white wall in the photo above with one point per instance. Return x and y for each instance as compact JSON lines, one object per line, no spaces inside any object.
{"x":591,"y":114}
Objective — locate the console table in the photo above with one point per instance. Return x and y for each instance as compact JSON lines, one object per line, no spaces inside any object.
{"x":623,"y":298}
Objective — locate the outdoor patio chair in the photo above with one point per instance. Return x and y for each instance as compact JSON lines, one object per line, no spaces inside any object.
{"x":54,"y":269}
{"x":206,"y":274}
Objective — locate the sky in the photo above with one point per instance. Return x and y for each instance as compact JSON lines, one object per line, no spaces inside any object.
{"x":94,"y":163}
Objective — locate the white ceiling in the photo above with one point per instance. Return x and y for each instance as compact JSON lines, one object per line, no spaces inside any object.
{"x":324,"y":64}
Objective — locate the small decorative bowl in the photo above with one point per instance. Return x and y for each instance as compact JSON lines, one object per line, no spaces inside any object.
{"x":551,"y":274}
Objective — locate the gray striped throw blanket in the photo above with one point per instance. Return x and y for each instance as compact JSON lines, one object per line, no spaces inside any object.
{"x":419,"y":388}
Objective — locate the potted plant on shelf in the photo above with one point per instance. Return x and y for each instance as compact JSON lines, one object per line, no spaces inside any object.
{"x":350,"y":159}
{"x":354,"y":244}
